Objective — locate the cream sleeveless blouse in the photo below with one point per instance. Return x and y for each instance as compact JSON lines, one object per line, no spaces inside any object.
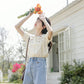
{"x":38,"y":45}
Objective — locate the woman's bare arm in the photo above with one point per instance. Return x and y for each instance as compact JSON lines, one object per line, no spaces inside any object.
{"x":18,"y":25}
{"x":49,"y":28}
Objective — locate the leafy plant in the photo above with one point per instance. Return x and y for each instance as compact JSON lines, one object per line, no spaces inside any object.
{"x":51,"y":69}
{"x":73,"y":74}
{"x":17,"y":73}
{"x":15,"y":78}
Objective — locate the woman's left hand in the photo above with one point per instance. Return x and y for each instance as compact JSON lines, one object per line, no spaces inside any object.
{"x":42,"y":17}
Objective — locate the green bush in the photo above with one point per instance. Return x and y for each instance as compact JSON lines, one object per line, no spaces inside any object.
{"x":73,"y":74}
{"x":17,"y":70}
{"x":15,"y":78}
{"x":51,"y":69}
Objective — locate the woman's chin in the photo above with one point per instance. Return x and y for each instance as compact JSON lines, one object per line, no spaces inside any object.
{"x":35,"y":27}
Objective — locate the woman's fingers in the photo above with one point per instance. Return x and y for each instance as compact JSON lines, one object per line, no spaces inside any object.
{"x":30,"y":13}
{"x":42,"y":16}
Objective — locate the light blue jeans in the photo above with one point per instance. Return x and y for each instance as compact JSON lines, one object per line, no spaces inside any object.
{"x":35,"y":72}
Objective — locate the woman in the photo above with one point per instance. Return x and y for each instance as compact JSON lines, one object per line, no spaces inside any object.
{"x":39,"y":46}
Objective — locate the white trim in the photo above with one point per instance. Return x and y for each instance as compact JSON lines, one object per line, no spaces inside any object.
{"x":68,"y":10}
{"x":64,"y":48}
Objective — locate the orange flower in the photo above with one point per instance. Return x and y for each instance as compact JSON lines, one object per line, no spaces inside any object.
{"x":38,"y":9}
{"x":38,"y":5}
{"x":34,"y":10}
{"x":40,"y":12}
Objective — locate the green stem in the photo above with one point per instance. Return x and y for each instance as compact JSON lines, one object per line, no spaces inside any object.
{"x":25,"y":14}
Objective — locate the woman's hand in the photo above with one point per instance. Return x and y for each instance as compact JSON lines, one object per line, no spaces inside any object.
{"x":42,"y":17}
{"x":31,"y":13}
{"x":48,"y":27}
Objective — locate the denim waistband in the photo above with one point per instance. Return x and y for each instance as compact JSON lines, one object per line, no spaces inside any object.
{"x":36,"y":58}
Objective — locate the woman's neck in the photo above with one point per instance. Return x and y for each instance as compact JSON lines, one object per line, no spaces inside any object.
{"x":38,"y":33}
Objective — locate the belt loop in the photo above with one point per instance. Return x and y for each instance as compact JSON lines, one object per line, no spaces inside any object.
{"x":29,"y":59}
{"x":35,"y":58}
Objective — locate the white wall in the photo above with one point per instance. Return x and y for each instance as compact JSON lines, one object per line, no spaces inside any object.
{"x":76,"y":21}
{"x":72,"y":16}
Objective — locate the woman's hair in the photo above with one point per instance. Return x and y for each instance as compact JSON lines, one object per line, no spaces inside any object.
{"x":44,"y":31}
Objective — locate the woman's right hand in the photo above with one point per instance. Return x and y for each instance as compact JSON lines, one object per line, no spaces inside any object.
{"x":31,"y":13}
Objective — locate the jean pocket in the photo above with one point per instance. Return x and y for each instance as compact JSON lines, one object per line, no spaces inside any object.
{"x":40,"y":63}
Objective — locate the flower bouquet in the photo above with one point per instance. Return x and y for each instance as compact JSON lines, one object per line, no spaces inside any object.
{"x":34,"y":10}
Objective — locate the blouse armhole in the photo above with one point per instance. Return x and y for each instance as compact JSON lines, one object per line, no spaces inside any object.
{"x":26,"y":36}
{"x":47,"y":38}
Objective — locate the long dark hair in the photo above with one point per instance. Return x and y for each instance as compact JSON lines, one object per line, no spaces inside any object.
{"x":44,"y":31}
